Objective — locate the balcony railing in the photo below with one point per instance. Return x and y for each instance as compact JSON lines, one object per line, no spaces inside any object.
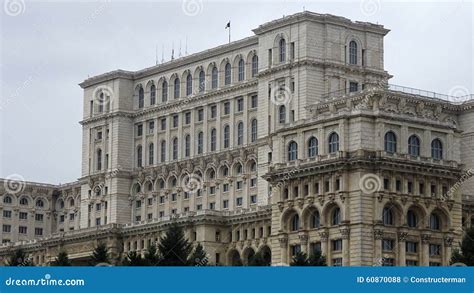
{"x":403,"y":89}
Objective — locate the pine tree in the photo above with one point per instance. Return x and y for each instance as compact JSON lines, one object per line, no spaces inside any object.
{"x":19,"y":259}
{"x":152,"y":257}
{"x":316,"y":259}
{"x":100,"y":254}
{"x":259,"y":260}
{"x":466,"y":254}
{"x":199,"y":257}
{"x":299,"y":259}
{"x":174,"y":248}
{"x":62,"y":260}
{"x":134,"y":259}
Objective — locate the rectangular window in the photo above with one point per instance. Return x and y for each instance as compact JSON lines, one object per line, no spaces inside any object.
{"x":162,"y":214}
{"x":199,"y":207}
{"x":239,"y":201}
{"x":316,"y":188}
{"x":163,"y":123}
{"x":388,"y":262}
{"x":213,"y":111}
{"x":337,"y":262}
{"x":253,"y":182}
{"x":387,"y":244}
{"x":337,"y":245}
{"x":411,"y":263}
{"x":421,"y":188}
{"x":71,"y":217}
{"x":435,"y":249}
{"x":22,"y":230}
{"x":162,"y":199}
{"x":7,"y":228}
{"x":226,"y":108}
{"x":38,"y":231}
{"x":138,"y":204}
{"x":353,"y":87}
{"x":61,"y":219}
{"x":187,"y":118}
{"x":411,"y":247}
{"x":97,"y":221}
{"x":139,"y":130}
{"x":239,"y":185}
{"x":254,"y":102}
{"x":200,"y":115}
{"x":23,"y":216}
{"x":398,"y":185}
{"x":225,"y":204}
{"x":212,"y":205}
{"x":97,"y":207}
{"x":175,"y":121}
{"x":151,"y":127}
{"x":410,"y":187}
{"x":386,"y":184}
{"x":315,"y":247}
{"x":295,"y":249}
{"x":150,"y":201}
{"x":253,"y":199}
{"x":99,"y":135}
{"x":218,"y":236}
{"x":212,"y":190}
{"x":240,"y":104}
{"x":173,"y":197}
{"x":7,"y":214}
{"x":225,"y":187}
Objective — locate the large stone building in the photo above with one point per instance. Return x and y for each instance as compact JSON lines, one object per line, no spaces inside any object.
{"x":289,"y":140}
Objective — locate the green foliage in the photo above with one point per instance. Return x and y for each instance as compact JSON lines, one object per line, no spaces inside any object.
{"x":316,"y":259}
{"x":466,"y":253}
{"x":134,"y":259}
{"x":302,"y":259}
{"x":62,"y":260}
{"x":152,"y":257}
{"x":100,"y":254}
{"x":174,"y":249}
{"x":260,"y":259}
{"x":199,"y":257}
{"x":19,"y":259}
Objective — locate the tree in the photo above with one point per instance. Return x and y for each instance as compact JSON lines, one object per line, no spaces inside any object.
{"x":152,"y":257}
{"x":19,"y":259}
{"x":299,"y":259}
{"x":302,"y":259}
{"x":174,"y":248}
{"x":466,"y":253}
{"x":199,"y":257}
{"x":100,"y":254}
{"x":259,"y":260}
{"x":62,"y":260}
{"x":316,"y":259}
{"x":134,"y":259}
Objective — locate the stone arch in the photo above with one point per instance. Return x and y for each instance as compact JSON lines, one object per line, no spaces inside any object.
{"x":247,"y":255}
{"x":307,"y":215}
{"x":328,"y":212}
{"x":233,"y":258}
{"x":286,"y":216}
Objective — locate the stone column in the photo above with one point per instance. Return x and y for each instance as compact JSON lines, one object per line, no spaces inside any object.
{"x":448,"y":243}
{"x":425,"y":249}
{"x":324,"y":245}
{"x":283,"y":239}
{"x":402,"y":236}
{"x":378,"y":236}
{"x":303,"y":236}
{"x":345,"y":233}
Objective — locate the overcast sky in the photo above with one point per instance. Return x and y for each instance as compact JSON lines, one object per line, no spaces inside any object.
{"x":47,"y":48}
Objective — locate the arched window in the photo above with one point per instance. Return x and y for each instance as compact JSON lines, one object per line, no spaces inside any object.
{"x":436,"y":149}
{"x":414,"y":146}
{"x":412,"y":219}
{"x":39,"y":203}
{"x":141,"y":98}
{"x":97,"y":193}
{"x":152,"y":95}
{"x":226,"y":136}
{"x":163,"y":151}
{"x":254,"y":130}
{"x":99,"y":159}
{"x":101,"y":103}
{"x":295,"y":223}
{"x":336,"y":216}
{"x":202,"y":81}
{"x":189,"y":84}
{"x":214,"y":78}
{"x":333,"y":143}
{"x":282,"y":50}
{"x":213,"y":139}
{"x":353,"y":52}
{"x":312,"y":147}
{"x":254,"y":65}
{"x":238,"y":169}
{"x":23,"y":201}
{"x":176,"y":88}
{"x":175,"y":148}
{"x":187,"y":146}
{"x":227,"y":74}
{"x":151,"y":154}
{"x":390,"y":142}
{"x":315,"y":220}
{"x":240,"y":133}
{"x":292,"y":151}
{"x":139,"y":156}
{"x":164,"y":91}
{"x":7,"y":199}
{"x":387,"y":216}
{"x":71,"y":202}
{"x":200,"y":142}
{"x":435,"y":222}
{"x":225,"y":171}
{"x":282,"y":114}
{"x":241,"y":68}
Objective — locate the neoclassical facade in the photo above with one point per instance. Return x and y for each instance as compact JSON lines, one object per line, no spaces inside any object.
{"x":290,"y":140}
